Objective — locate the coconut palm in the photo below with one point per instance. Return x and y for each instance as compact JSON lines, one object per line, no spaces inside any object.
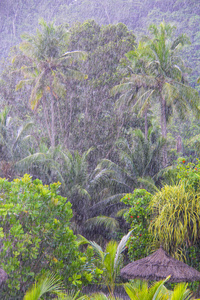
{"x":168,"y":71}
{"x":132,"y":92}
{"x":161,"y":78}
{"x":47,"y":67}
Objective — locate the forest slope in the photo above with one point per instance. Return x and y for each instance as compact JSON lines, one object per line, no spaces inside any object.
{"x":22,"y":15}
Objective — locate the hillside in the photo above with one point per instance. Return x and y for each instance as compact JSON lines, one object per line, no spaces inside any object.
{"x":22,"y":16}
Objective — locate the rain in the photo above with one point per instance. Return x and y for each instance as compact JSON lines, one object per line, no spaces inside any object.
{"x":99,"y":148}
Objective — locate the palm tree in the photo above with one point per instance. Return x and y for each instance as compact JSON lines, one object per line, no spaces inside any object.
{"x":50,"y":283}
{"x":139,"y":160}
{"x":41,"y":163}
{"x":132,"y":91}
{"x":161,"y":77}
{"x":109,"y":260}
{"x":88,"y":191}
{"x":168,"y":71}
{"x":141,"y":157}
{"x":138,"y":290}
{"x":73,"y":172}
{"x":47,"y":68}
{"x":13,"y":144}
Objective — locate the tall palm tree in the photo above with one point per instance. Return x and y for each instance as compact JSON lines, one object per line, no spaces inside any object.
{"x":161,"y":78}
{"x":168,"y":71}
{"x":132,"y":91}
{"x":46,"y":67}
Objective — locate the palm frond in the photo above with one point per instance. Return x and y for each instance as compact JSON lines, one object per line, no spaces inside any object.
{"x":102,"y":205}
{"x":22,"y":83}
{"x":21,"y":130}
{"x":182,"y":39}
{"x":121,"y":88}
{"x":76,"y":75}
{"x":78,"y":189}
{"x":121,"y":248}
{"x":71,"y":295}
{"x":149,"y":184}
{"x":77,"y":54}
{"x":181,"y":292}
{"x":98,"y":250}
{"x":50,"y":283}
{"x":100,"y":178}
{"x":81,"y":240}
{"x":147,"y":99}
{"x":37,"y":92}
{"x":110,"y":224}
{"x":121,"y":212}
{"x":99,"y":296}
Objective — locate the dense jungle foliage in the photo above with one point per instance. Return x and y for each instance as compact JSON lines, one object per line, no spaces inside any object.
{"x":99,"y":136}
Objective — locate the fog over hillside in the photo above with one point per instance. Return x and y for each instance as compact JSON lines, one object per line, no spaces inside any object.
{"x":17,"y":17}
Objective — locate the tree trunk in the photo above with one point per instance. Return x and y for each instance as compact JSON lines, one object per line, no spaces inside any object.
{"x":61,"y":129}
{"x":52,"y":121}
{"x":145,"y":125}
{"x":46,"y":118}
{"x":179,"y":147}
{"x":164,"y":128}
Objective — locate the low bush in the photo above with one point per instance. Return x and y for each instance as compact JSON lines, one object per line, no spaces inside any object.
{"x":36,"y":236}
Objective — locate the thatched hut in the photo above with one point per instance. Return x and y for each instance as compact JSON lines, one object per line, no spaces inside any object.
{"x":158,"y":266}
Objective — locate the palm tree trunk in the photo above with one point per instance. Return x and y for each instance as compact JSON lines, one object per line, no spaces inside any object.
{"x":164,"y":128}
{"x":60,"y":120}
{"x":46,"y":118}
{"x":52,"y":121}
{"x":145,"y":125}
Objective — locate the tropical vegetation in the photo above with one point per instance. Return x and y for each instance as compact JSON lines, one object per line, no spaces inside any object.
{"x":99,"y":146}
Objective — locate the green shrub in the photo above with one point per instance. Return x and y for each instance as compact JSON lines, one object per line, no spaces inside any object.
{"x":35,"y":235}
{"x":138,"y":216}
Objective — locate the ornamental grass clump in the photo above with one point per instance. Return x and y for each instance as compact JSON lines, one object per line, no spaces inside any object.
{"x":176,"y":212}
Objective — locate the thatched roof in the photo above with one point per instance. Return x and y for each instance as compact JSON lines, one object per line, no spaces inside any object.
{"x":3,"y":276}
{"x":158,"y":266}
